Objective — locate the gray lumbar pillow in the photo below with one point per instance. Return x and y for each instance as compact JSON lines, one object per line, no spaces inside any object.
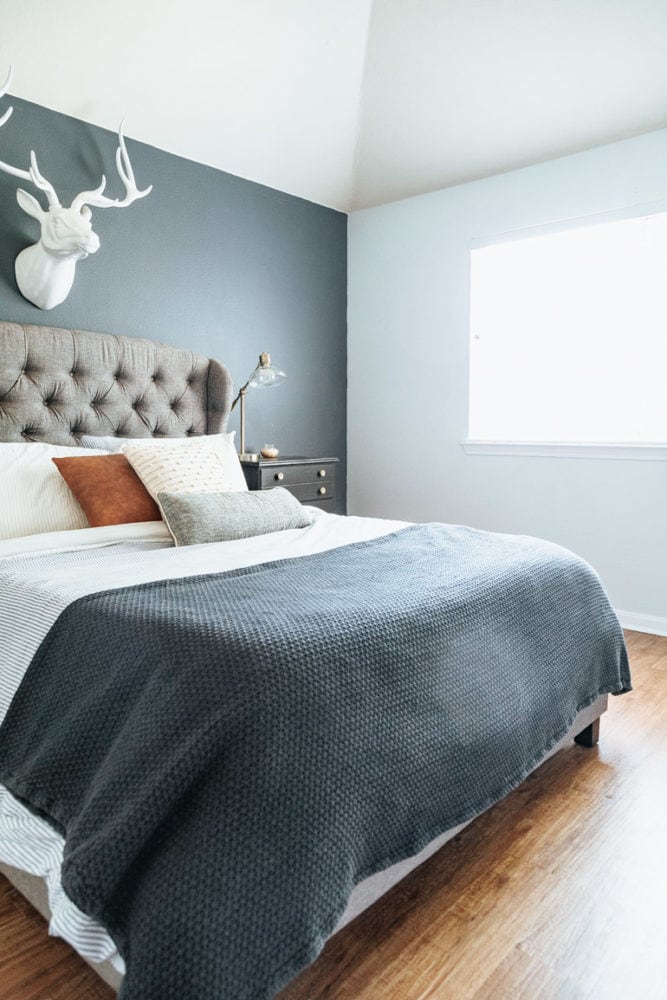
{"x":194,"y":518}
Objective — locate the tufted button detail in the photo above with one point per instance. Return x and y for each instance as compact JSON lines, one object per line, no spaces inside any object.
{"x":72,"y":373}
{"x":23,"y":371}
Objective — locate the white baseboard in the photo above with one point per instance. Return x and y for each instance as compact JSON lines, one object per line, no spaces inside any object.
{"x":655,"y":624}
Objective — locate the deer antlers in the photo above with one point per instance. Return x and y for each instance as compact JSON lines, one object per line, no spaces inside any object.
{"x":33,"y":175}
{"x":95,"y":198}
{"x":126,"y":173}
{"x":3,"y":91}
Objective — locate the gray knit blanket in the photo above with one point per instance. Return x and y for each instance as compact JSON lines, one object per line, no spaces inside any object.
{"x":227,"y":755}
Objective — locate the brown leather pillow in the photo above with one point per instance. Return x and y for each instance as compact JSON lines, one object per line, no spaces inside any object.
{"x":108,"y":489}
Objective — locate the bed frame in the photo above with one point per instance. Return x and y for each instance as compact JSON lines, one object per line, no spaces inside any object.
{"x":584,"y":731}
{"x":56,"y":385}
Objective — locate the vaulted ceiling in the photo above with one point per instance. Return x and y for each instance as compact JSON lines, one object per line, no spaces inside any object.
{"x":348,"y":103}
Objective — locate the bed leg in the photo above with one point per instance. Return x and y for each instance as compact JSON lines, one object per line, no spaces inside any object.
{"x":589,"y":736}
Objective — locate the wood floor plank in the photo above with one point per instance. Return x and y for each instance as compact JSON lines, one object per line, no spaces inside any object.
{"x":557,"y":893}
{"x":34,"y":966}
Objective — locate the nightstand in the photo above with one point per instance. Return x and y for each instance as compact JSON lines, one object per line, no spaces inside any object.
{"x":311,"y":480}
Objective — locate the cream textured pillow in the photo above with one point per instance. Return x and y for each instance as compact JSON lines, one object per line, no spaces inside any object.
{"x":207,"y":464}
{"x":33,"y":495}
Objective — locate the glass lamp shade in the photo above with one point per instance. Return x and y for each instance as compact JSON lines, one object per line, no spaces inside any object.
{"x":265,"y":374}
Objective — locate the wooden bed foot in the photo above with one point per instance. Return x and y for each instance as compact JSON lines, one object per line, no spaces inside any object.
{"x":589,"y":736}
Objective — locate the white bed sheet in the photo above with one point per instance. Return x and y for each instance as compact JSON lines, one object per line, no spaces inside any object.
{"x":41,"y":575}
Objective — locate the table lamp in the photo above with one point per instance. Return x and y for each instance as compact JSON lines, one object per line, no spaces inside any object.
{"x":264,"y":376}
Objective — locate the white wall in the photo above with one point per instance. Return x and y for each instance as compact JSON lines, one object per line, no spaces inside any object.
{"x":408,"y":375}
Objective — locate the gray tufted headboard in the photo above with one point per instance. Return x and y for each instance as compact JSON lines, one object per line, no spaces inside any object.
{"x":56,"y":385}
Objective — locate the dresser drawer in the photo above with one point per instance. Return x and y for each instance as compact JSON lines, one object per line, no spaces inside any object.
{"x":321,"y":473}
{"x":310,"y":492}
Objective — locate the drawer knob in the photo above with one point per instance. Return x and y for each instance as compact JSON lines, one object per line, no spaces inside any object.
{"x":279,"y":475}
{"x":322,"y":473}
{"x":322,"y":490}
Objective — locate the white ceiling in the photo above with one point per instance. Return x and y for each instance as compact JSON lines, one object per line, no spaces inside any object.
{"x":348,"y":103}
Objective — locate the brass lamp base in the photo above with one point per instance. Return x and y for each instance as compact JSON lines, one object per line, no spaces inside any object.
{"x":248,"y":456}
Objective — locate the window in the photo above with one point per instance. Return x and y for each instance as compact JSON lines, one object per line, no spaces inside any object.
{"x":568,"y":335}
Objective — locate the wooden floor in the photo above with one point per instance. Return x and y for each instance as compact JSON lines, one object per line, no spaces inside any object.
{"x":557,"y":893}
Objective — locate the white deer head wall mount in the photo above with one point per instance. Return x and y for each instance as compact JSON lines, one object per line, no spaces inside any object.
{"x":45,"y":270}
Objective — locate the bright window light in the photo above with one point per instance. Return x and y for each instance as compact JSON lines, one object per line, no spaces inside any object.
{"x":568,"y":335}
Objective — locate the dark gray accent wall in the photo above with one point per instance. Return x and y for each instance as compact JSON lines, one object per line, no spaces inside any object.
{"x":207,"y":260}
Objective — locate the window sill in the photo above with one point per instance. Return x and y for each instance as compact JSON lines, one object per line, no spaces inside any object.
{"x":538,"y":449}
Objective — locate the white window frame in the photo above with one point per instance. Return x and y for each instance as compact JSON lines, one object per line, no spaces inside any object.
{"x":549,"y":449}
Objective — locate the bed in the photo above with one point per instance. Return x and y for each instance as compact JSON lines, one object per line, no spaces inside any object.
{"x":59,"y":387}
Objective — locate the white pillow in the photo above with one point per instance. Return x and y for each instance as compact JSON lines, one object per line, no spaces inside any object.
{"x":111,"y":444}
{"x":206,"y":464}
{"x":115,"y":444}
{"x":34,"y":497}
